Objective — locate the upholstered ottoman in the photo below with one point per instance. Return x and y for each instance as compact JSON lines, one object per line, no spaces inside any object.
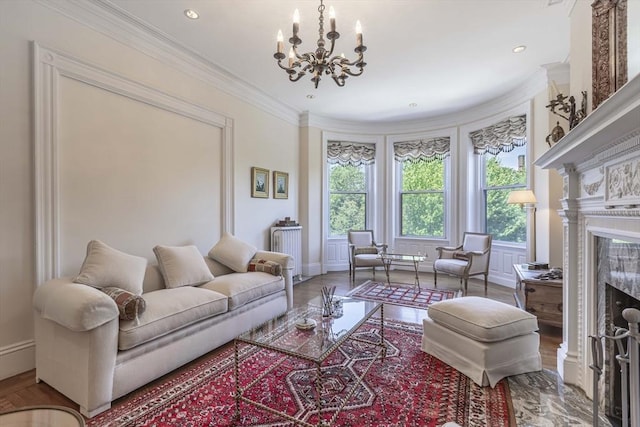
{"x":484,"y":339}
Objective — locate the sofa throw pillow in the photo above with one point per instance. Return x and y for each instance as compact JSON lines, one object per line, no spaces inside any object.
{"x":104,"y":267}
{"x":462,"y":255}
{"x":233,"y":252}
{"x":265,"y":266}
{"x":182,"y":266}
{"x":129,"y":305}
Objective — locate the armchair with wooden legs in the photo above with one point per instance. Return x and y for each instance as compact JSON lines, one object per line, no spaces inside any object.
{"x":364,"y":251}
{"x":469,"y":259}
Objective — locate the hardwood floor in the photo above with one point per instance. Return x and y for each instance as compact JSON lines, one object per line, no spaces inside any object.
{"x":21,"y":390}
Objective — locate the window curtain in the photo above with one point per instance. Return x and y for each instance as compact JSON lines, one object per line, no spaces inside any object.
{"x":503,"y":136}
{"x":426,"y":150}
{"x":350,"y":153}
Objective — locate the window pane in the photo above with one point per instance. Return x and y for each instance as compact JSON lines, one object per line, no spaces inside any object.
{"x":347,"y":178}
{"x":346,"y":211}
{"x":423,"y":175}
{"x":506,"y":222}
{"x":506,"y":168}
{"x":423,"y":214}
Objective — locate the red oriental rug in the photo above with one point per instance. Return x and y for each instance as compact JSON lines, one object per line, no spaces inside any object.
{"x":401,"y":294}
{"x":408,"y":388}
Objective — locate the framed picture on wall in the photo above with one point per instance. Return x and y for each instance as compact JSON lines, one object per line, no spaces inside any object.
{"x":259,"y":182}
{"x":280,"y":185}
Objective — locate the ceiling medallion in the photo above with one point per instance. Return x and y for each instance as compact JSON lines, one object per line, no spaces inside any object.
{"x":321,"y":61}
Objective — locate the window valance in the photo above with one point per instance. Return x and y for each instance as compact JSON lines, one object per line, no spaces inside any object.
{"x":419,"y":150}
{"x":500,"y":137}
{"x":350,"y":153}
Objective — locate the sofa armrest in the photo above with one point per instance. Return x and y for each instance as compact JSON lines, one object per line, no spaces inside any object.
{"x":286,"y":261}
{"x":75,"y":306}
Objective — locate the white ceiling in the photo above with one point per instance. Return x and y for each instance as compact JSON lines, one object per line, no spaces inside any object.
{"x":443,"y":55}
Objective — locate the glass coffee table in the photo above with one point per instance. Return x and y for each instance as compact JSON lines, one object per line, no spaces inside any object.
{"x":402,"y":259}
{"x":313,"y":345}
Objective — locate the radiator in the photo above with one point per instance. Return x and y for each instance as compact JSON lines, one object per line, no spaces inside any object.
{"x":288,"y":240}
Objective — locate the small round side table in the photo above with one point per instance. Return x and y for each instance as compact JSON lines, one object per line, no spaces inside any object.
{"x":41,"y":416}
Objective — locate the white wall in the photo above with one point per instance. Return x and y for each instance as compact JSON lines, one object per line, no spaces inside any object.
{"x":260,"y":139}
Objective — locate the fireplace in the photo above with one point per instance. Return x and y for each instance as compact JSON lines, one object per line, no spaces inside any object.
{"x":599,"y":162}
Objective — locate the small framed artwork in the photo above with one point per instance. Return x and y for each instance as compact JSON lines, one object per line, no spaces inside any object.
{"x":259,"y":182}
{"x":280,"y":185}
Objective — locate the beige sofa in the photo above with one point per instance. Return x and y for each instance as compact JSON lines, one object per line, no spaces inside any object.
{"x":85,"y":351}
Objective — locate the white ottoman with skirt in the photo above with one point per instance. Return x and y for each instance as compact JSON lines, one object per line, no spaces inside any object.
{"x":484,"y":339}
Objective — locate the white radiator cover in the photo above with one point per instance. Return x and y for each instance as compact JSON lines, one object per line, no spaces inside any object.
{"x":288,"y":240}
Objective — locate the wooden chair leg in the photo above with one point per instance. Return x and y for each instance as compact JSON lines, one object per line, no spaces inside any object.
{"x":486,"y":282}
{"x":435,"y":278}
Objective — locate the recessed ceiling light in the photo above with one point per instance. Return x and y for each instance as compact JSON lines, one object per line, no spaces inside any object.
{"x":191,"y":14}
{"x":413,"y":105}
{"x":310,"y":96}
{"x":519,"y":49}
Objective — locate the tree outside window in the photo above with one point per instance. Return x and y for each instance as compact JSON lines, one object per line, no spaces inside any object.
{"x":347,"y":198}
{"x":503,"y":173}
{"x":422,"y":200}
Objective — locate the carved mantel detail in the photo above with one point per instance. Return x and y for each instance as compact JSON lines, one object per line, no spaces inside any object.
{"x":609,"y":48}
{"x":623,"y":183}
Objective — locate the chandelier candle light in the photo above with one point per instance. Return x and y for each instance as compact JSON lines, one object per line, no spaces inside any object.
{"x":321,"y":61}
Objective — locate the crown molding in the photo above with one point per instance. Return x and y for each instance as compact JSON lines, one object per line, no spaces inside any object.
{"x":107,"y":18}
{"x":523,"y":93}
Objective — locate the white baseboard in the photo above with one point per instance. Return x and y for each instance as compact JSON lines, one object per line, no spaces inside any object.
{"x":17,"y":358}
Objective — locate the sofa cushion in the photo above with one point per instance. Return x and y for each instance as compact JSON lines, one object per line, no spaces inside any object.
{"x":169,"y":310}
{"x":129,"y":305}
{"x":482,"y":319}
{"x":242,"y":288}
{"x":182,"y":266}
{"x":265,"y":266}
{"x":233,"y":252}
{"x":104,"y":266}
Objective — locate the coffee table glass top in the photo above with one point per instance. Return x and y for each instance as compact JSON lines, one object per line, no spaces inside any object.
{"x":281,"y":333}
{"x":403,"y":257}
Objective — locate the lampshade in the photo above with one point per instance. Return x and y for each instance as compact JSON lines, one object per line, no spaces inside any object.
{"x":522,"y":197}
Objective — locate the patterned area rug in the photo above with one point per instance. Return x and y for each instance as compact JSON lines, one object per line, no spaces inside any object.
{"x":401,"y":294}
{"x":410,"y":388}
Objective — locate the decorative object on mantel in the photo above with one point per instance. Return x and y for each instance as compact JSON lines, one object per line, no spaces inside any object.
{"x":287,"y":222}
{"x":608,"y":48}
{"x":572,"y":115}
{"x":320,"y":62}
{"x":556,"y":133}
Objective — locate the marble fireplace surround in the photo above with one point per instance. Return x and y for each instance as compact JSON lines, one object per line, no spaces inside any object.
{"x":599,"y":161}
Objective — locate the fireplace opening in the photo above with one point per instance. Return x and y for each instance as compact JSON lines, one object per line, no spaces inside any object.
{"x":618,"y":287}
{"x":617,"y":301}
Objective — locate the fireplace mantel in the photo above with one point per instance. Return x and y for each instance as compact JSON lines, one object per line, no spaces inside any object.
{"x":615,"y":118}
{"x":599,"y":161}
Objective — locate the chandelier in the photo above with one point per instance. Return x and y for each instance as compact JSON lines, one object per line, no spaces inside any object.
{"x":321,"y":61}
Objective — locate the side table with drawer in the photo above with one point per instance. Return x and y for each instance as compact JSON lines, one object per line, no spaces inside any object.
{"x":543,"y":298}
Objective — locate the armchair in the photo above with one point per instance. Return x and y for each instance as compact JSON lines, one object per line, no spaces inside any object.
{"x":469,"y":259}
{"x":364,"y":251}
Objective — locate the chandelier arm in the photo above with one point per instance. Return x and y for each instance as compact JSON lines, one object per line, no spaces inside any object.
{"x":339,"y":81}
{"x":351,"y":73}
{"x":299,"y":76}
